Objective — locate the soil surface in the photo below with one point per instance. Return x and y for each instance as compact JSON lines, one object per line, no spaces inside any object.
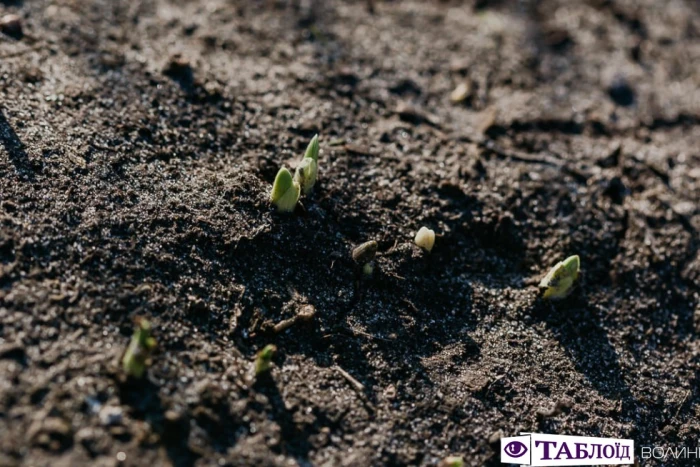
{"x":139,"y":141}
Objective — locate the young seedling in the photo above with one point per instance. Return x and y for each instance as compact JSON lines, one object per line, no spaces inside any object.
{"x":559,"y":281}
{"x":307,"y":171}
{"x":305,"y":174}
{"x":137,"y":355}
{"x":312,"y":149}
{"x":263,"y":359}
{"x":425,"y":238}
{"x":285,"y":191}
{"x":452,"y":461}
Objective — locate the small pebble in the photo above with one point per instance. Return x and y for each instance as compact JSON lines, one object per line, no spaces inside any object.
{"x":179,"y":69}
{"x":365,"y":253}
{"x":173,"y":416}
{"x":111,"y":415}
{"x":425,"y":238}
{"x":495,"y":437}
{"x":621,"y":92}
{"x":461,"y":92}
{"x":11,"y":25}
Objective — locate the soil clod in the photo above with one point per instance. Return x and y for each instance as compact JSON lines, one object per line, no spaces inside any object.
{"x":11,"y":25}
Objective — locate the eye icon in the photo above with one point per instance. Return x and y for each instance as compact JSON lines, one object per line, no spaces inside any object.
{"x":515,"y":449}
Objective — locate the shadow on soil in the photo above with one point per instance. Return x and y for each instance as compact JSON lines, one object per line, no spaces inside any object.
{"x":15,"y":148}
{"x":579,"y":331}
{"x":144,"y":399}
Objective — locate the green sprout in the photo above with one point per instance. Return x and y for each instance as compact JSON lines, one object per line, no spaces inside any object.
{"x":559,"y":281}
{"x":307,"y":171}
{"x":452,"y":461}
{"x":263,"y":359}
{"x":137,"y":355}
{"x":285,"y":191}
{"x":305,"y":174}
{"x":312,"y":149}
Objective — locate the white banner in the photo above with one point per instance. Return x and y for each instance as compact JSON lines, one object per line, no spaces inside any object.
{"x":549,"y":450}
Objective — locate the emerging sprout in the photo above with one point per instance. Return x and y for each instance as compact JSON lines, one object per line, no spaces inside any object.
{"x":312,"y":149}
{"x":452,"y":461}
{"x":137,"y":355}
{"x":365,"y":253}
{"x":264,"y":358}
{"x":425,"y":238}
{"x":305,"y":175}
{"x":285,"y":191}
{"x":368,"y":269}
{"x":559,"y":281}
{"x":307,"y":171}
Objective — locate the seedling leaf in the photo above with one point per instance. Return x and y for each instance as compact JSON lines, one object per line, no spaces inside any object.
{"x":285,"y":191}
{"x":312,"y":149}
{"x":263,"y":359}
{"x":305,"y":174}
{"x":559,"y":281}
{"x":139,"y":351}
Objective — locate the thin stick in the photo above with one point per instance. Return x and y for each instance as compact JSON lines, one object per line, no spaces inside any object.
{"x":680,"y":406}
{"x":359,"y":387}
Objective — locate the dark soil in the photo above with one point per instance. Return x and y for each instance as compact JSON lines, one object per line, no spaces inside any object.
{"x":139,"y":143}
